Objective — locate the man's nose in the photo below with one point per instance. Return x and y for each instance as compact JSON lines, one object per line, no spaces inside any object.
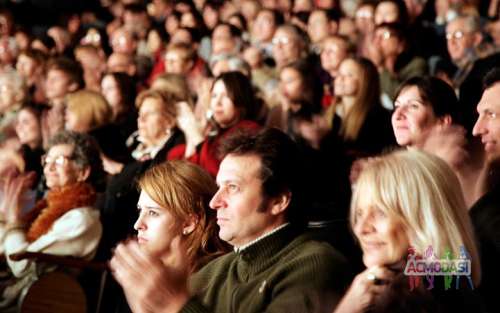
{"x":217,"y":201}
{"x":478,"y":127}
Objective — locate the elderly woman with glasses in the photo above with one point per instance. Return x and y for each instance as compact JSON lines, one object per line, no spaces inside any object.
{"x":64,"y":222}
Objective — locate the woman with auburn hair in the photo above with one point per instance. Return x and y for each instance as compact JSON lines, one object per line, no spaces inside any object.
{"x":405,"y":203}
{"x":174,"y":203}
{"x":174,"y":212}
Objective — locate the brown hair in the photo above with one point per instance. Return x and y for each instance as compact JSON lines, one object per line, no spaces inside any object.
{"x":367,"y":97}
{"x":185,"y":189}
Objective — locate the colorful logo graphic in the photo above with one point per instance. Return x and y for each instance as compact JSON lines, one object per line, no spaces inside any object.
{"x":428,"y":265}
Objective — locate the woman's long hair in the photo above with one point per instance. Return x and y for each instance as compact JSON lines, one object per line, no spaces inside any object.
{"x":367,"y":97}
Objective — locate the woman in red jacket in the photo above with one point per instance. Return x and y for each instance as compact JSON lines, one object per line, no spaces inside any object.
{"x":232,"y":107}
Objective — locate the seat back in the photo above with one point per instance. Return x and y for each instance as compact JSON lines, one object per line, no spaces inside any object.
{"x":54,"y":292}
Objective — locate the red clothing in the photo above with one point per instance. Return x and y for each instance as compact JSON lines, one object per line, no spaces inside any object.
{"x":206,"y":153}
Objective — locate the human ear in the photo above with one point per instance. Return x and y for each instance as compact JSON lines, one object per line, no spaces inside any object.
{"x":280,"y":203}
{"x":190,"y":224}
{"x":83,"y":174}
{"x":446,"y":120}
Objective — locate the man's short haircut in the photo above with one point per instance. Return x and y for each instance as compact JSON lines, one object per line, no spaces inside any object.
{"x":280,"y":165}
{"x":71,"y":68}
{"x":279,"y":19}
{"x":331,"y":14}
{"x":233,"y":30}
{"x":491,"y":78}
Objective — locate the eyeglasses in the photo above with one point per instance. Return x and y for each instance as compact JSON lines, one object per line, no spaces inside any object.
{"x":58,"y":161}
{"x":385,"y":35}
{"x":364,"y":14}
{"x":280,"y":41}
{"x":455,"y":35}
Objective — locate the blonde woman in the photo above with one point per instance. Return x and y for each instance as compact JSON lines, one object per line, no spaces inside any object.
{"x":404,"y":203}
{"x":89,"y":112}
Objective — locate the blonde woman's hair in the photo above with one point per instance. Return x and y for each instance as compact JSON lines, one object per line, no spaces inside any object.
{"x":185,"y":190}
{"x":91,"y":108}
{"x":167,"y":100}
{"x":422,"y":192}
{"x":367,"y":97}
{"x":175,"y":84}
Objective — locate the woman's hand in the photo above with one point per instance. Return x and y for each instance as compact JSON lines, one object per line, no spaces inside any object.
{"x":149,"y":284}
{"x":13,"y":188}
{"x":186,"y":121}
{"x":52,"y":122}
{"x":364,"y":290}
{"x":447,"y":142}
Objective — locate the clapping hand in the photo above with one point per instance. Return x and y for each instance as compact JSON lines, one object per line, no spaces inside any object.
{"x":149,"y":284}
{"x":14,"y":186}
{"x":187,"y":122}
{"x":447,"y":142}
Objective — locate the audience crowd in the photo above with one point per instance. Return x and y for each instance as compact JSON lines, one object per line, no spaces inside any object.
{"x":255,"y":155}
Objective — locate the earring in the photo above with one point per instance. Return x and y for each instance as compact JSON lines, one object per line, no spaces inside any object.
{"x":185,"y":232}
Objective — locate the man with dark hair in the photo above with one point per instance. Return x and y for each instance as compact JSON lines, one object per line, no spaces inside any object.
{"x":274,"y":266}
{"x":63,"y":76}
{"x":321,"y":24}
{"x":485,"y":213}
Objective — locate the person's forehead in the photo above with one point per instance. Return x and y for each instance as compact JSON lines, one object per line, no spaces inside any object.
{"x":239,"y":167}
{"x":60,"y":149}
{"x":55,"y":72}
{"x":491,"y":98}
{"x":285,"y":33}
{"x":457,"y":24}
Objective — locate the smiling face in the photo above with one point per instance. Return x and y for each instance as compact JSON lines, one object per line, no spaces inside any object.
{"x":412,"y":118}
{"x":348,"y":79}
{"x":28,"y":129}
{"x":156,"y":227}
{"x":59,"y":168}
{"x":488,"y":123}
{"x":242,"y":213}
{"x":223,"y":108}
{"x":381,"y":236}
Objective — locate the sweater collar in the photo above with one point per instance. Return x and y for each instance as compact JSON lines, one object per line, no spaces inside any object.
{"x":262,"y":251}
{"x":245,"y":246}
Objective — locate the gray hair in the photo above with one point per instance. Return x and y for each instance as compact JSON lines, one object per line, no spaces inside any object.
{"x":12,"y":78}
{"x":86,"y":153}
{"x":472,"y":23}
